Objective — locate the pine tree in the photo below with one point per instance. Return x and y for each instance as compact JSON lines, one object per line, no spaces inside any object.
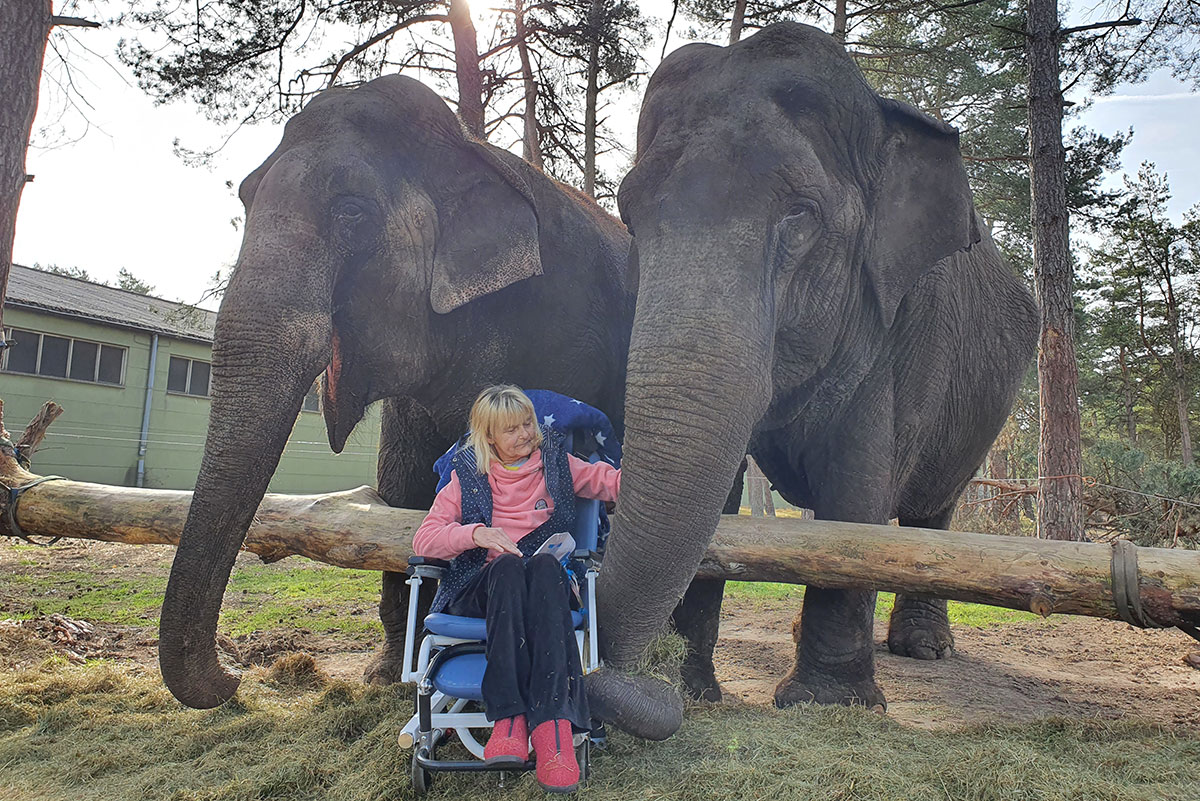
{"x":1146,"y":273}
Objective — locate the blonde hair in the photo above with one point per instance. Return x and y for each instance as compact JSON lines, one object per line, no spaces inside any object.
{"x":496,"y":408}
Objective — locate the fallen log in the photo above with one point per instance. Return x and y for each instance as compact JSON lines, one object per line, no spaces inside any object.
{"x":356,"y":529}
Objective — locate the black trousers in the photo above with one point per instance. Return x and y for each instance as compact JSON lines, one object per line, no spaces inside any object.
{"x":532,"y":661}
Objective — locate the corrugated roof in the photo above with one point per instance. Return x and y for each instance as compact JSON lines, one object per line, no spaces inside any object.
{"x":74,"y":297}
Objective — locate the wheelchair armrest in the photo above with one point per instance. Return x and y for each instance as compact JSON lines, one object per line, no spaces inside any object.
{"x":426,"y":566}
{"x":588,"y":557}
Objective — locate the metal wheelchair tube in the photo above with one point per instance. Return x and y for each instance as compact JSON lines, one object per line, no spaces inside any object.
{"x":446,"y":654}
{"x":437,"y":703}
{"x":593,"y":640}
{"x":414,"y":583}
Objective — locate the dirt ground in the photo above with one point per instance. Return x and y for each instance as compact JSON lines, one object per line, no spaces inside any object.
{"x":1062,"y":667}
{"x":1065,"y":667}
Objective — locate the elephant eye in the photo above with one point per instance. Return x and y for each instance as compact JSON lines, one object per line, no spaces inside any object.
{"x":795,"y":234}
{"x":352,"y":226}
{"x":349,"y":209}
{"x":801,"y":212}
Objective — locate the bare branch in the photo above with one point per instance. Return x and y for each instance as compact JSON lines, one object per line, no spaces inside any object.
{"x":1116,"y":23}
{"x":376,"y":39}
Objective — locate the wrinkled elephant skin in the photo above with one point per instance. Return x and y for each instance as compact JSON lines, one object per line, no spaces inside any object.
{"x":402,"y":260}
{"x":813,"y":286}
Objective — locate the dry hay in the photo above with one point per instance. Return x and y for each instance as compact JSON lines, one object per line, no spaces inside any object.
{"x":113,"y":732}
{"x":296,"y":671}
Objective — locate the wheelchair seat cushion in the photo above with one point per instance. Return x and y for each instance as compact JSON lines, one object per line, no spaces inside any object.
{"x":462,"y":676}
{"x":471,"y":628}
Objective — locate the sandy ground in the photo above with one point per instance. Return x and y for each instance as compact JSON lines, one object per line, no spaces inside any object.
{"x":1065,"y":666}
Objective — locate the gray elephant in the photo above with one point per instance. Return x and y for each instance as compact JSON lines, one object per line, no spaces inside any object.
{"x":405,"y":261}
{"x":813,"y":286}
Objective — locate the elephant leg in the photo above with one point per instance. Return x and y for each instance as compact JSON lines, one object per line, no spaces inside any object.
{"x":919,"y":626}
{"x":697,"y":618}
{"x":834,"y":633}
{"x":835,"y":657}
{"x":408,"y":446}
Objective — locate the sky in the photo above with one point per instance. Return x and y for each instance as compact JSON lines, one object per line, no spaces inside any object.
{"x":120,"y":197}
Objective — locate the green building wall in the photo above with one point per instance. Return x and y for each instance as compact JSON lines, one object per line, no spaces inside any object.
{"x":96,"y":438}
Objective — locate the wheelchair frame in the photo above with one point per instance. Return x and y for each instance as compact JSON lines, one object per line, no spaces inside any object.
{"x":437,"y":713}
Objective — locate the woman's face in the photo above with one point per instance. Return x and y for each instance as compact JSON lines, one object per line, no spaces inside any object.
{"x":513,"y":441}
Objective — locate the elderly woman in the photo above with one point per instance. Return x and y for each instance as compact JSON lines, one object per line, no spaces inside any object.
{"x":513,"y":485}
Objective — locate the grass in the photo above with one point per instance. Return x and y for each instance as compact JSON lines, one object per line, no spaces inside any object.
{"x":961,"y":614}
{"x":111,"y":732}
{"x":296,"y":594}
{"x":319,"y":598}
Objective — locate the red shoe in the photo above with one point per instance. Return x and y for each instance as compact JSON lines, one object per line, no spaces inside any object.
{"x":509,"y":744}
{"x":557,"y":768}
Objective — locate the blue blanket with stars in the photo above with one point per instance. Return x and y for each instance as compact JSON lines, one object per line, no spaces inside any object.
{"x":589,"y":427}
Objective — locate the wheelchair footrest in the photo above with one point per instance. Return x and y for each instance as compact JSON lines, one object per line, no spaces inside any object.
{"x":423,"y":759}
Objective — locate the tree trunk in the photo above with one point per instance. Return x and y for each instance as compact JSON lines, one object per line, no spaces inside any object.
{"x":758,"y":489}
{"x":1181,"y":407}
{"x":1179,"y":368}
{"x":840,"y":19}
{"x":738,"y":20}
{"x":998,"y":471}
{"x":531,"y":149}
{"x":466,"y":67}
{"x":1128,"y":392}
{"x":592,"y":100}
{"x":356,"y":529}
{"x":24,"y":27}
{"x":1059,"y":461}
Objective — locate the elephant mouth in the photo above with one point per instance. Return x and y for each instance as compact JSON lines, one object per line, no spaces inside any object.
{"x":341,"y":406}
{"x":333,"y":372}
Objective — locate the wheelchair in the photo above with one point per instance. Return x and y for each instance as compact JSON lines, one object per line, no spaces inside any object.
{"x":449,"y":660}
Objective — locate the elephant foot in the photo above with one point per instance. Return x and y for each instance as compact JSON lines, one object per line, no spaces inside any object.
{"x":701,"y":682}
{"x":822,"y":690}
{"x":386,"y":667}
{"x":921,"y":642}
{"x":920,"y":630}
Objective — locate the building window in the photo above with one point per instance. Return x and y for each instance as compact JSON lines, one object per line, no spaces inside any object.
{"x":312,"y":401}
{"x":188,"y":376}
{"x":34,"y":353}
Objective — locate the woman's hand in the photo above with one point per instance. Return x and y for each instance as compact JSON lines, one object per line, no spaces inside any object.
{"x":494,"y":539}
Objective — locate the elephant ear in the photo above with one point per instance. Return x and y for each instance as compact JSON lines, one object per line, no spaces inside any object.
{"x":923,"y":210}
{"x":488,"y":231}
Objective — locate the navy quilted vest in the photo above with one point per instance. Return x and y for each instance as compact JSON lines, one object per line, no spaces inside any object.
{"x":477,"y":508}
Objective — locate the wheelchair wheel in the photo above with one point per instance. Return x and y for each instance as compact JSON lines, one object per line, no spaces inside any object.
{"x":583,"y":755}
{"x":422,"y":779}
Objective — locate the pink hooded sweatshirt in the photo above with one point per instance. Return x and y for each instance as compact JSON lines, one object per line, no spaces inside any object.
{"x":520,"y":503}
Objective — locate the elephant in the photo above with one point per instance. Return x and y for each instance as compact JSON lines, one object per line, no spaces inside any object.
{"x":814,"y":288}
{"x":398,"y":258}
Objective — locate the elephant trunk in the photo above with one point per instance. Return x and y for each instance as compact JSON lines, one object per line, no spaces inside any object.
{"x":272,"y":339}
{"x":698,"y":382}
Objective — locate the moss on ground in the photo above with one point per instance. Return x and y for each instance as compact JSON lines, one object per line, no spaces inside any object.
{"x":113,"y":732}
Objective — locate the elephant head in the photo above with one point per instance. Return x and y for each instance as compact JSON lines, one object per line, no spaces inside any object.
{"x":775,"y":201}
{"x":375,"y":204}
